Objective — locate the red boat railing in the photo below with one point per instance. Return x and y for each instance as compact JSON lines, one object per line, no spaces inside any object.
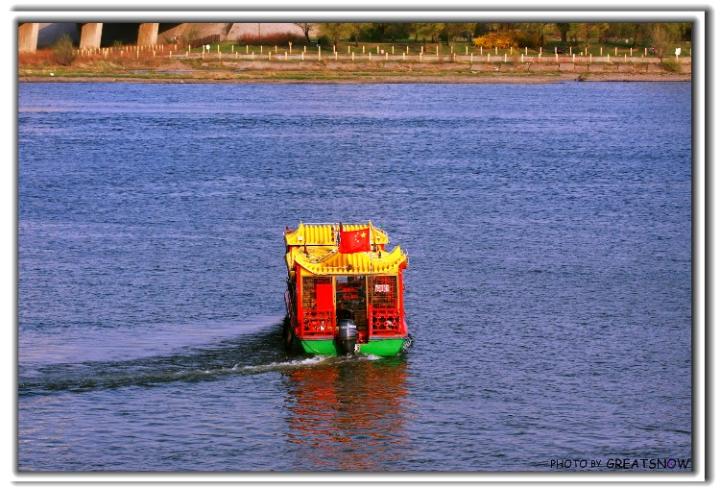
{"x":385,"y":322}
{"x":384,"y":309}
{"x":318,"y":323}
{"x":317,"y":317}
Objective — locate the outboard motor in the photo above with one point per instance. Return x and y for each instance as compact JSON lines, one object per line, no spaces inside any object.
{"x":347,"y":335}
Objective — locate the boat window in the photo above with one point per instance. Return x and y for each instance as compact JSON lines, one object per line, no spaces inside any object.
{"x":383,"y":292}
{"x":317,"y":294}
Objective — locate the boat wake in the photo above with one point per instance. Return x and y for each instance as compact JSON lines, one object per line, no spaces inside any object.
{"x":254,"y":353}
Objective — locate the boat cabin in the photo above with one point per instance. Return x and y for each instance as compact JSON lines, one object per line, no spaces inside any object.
{"x":343,"y":274}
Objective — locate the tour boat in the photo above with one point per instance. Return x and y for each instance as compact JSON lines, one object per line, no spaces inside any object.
{"x":345,"y":291}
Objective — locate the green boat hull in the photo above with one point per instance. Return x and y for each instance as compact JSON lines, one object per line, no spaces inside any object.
{"x":386,"y":347}
{"x":319,"y":347}
{"x":383,"y":348}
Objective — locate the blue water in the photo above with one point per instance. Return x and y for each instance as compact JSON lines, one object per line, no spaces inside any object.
{"x":548,"y":293}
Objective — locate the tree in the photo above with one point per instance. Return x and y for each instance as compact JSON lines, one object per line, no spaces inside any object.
{"x":531,"y":34}
{"x":641,"y":33}
{"x":457,"y":29}
{"x":414,"y":30}
{"x":63,"y":51}
{"x":355,"y":30}
{"x":380,"y":29}
{"x":602,"y":29}
{"x":502,"y":26}
{"x":397,"y":31}
{"x":563,"y":28}
{"x":430,"y":29}
{"x":621,"y":31}
{"x":664,"y":36}
{"x":584,"y":30}
{"x":335,"y":30}
{"x":189,"y":35}
{"x":481,"y":28}
{"x":581,"y":31}
{"x":306,"y":28}
{"x":686,"y":28}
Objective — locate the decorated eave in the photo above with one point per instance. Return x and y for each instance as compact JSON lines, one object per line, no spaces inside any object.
{"x":334,"y":263}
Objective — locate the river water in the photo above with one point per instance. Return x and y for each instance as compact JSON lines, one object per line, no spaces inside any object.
{"x":549,"y":287}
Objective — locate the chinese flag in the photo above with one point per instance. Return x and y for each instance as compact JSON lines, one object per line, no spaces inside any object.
{"x":354,"y":241}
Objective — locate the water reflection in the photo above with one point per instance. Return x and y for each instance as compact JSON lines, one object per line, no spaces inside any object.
{"x":349,"y":415}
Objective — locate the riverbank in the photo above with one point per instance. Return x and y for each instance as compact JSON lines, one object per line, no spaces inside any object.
{"x":195,"y":70}
{"x":488,"y":79}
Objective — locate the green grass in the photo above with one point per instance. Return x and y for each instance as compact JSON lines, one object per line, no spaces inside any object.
{"x":429,"y":49}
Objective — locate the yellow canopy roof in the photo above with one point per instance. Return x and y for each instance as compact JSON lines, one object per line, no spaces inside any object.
{"x":313,"y":247}
{"x":324,"y":234}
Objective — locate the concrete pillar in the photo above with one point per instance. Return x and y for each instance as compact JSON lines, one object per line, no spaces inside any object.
{"x":28,"y":37}
{"x":90,"y":35}
{"x":148,"y":34}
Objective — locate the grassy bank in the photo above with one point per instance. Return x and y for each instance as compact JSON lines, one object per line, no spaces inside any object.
{"x":163,"y":66}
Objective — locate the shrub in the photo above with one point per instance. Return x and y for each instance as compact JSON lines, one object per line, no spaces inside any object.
{"x":63,"y":51}
{"x":40,"y":57}
{"x":324,"y":41}
{"x":527,"y":39}
{"x":499,"y":40}
{"x":188,"y":37}
{"x":505,"y":40}
{"x":671,"y":66}
{"x":275,"y":39}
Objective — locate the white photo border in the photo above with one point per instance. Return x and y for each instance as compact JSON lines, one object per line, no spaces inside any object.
{"x":373,"y":10}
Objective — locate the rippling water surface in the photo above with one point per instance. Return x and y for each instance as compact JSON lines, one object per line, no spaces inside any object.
{"x":548,"y":228}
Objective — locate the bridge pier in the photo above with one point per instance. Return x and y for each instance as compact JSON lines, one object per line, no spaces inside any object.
{"x":90,"y":35}
{"x":28,"y":37}
{"x":148,"y":34}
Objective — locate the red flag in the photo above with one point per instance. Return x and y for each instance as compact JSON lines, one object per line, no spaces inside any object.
{"x":354,"y":241}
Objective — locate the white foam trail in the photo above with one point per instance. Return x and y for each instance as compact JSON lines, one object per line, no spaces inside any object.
{"x":282,"y":365}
